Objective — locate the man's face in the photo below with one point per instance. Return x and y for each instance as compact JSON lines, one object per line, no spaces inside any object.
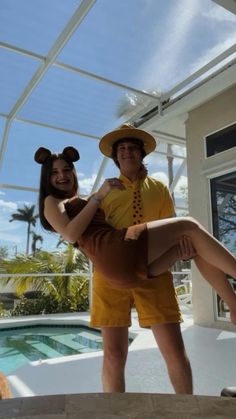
{"x":129,"y":155}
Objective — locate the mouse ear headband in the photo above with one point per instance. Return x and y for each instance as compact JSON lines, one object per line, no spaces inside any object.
{"x":42,"y":154}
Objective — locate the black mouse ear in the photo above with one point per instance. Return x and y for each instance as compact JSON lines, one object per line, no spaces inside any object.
{"x":41,"y":155}
{"x":71,"y":153}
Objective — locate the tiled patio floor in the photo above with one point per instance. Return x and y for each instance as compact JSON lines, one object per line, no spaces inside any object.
{"x":211,"y":352}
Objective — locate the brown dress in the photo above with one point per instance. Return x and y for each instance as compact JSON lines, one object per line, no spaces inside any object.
{"x":120,"y":255}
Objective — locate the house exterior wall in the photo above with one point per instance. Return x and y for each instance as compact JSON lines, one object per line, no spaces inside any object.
{"x":208,"y":118}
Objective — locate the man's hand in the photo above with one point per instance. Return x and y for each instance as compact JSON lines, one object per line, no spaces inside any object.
{"x":185,"y":249}
{"x":107,"y":186}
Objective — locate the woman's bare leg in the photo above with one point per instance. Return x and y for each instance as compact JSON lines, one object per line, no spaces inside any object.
{"x":216,"y":278}
{"x":183,"y":251}
{"x":215,"y":260}
{"x":164,"y":234}
{"x":163,"y":263}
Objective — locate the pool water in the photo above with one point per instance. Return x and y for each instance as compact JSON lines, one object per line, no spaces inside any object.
{"x":22,"y":345}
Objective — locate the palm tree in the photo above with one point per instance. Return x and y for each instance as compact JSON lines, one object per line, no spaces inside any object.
{"x":26,"y":214}
{"x":60,"y":287}
{"x":35,"y":238}
{"x":61,"y":241}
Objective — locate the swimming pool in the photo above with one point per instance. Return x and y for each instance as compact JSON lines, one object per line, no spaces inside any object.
{"x":21,"y":345}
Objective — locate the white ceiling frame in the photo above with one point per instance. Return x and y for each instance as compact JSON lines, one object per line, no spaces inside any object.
{"x":175,"y":156}
{"x":164,"y":137}
{"x":150,"y":123}
{"x":230,"y":51}
{"x":59,"y":44}
{"x":22,"y":51}
{"x":78,"y":70}
{"x":62,"y":39}
{"x":206,"y":89}
{"x":50,"y":61}
{"x":226,"y":75}
{"x":19,"y":188}
{"x":154,"y":102}
{"x":54,"y":127}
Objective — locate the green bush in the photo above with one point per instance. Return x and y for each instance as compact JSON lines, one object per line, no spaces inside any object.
{"x":3,"y":311}
{"x":41,"y":305}
{"x":47,"y":304}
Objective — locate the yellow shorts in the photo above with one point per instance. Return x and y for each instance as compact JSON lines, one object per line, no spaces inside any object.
{"x":155,"y":302}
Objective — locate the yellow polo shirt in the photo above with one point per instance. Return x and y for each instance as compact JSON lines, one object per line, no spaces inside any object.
{"x":141,"y":201}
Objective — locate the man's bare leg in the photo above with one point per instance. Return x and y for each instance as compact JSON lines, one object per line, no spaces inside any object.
{"x":115,"y":346}
{"x":170,"y":342}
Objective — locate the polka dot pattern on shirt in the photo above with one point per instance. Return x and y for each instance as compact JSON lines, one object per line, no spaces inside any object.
{"x":137,"y":207}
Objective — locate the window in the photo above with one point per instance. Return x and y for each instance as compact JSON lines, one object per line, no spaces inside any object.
{"x":223,"y":198}
{"x":221,"y":141}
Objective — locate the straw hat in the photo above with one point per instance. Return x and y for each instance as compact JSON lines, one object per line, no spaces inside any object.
{"x":126,"y":131}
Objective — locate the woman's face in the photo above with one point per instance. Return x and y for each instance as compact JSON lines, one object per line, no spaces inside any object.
{"x":62,"y":177}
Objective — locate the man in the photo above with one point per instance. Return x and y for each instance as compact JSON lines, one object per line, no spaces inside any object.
{"x":143,"y":199}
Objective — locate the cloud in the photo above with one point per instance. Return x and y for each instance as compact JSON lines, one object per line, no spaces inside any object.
{"x":213,"y":52}
{"x":7,"y":206}
{"x":85,"y":185}
{"x":80,"y":174}
{"x":179,"y":150}
{"x":12,"y":238}
{"x":182,"y":183}
{"x":10,"y":232}
{"x":161,"y":176}
{"x":156,"y":160}
{"x":166,"y":57}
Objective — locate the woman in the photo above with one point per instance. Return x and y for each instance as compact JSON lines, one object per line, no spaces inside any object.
{"x":126,"y":256}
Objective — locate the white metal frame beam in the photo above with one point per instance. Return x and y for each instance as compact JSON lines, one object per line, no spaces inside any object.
{"x":154,"y":101}
{"x":78,"y":70}
{"x":200,"y":93}
{"x":197,"y":74}
{"x":167,"y":112}
{"x":164,"y":137}
{"x":62,"y":39}
{"x":50,"y":60}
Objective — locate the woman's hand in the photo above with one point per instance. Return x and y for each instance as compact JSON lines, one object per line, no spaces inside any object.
{"x":107,"y":186}
{"x":185,"y":249}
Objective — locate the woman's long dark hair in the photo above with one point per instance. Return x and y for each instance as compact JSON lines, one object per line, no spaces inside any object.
{"x":46,"y":187}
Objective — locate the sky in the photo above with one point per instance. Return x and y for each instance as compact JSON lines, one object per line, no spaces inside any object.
{"x":149,"y":45}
